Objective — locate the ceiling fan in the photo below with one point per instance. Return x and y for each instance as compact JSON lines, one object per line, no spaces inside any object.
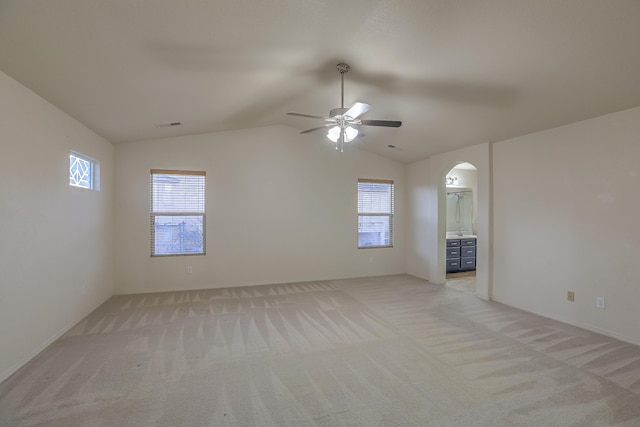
{"x":343,"y":122}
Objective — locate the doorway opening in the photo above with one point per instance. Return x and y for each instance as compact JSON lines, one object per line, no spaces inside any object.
{"x":461,"y":183}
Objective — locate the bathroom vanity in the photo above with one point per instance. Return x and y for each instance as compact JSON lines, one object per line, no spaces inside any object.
{"x":461,"y":253}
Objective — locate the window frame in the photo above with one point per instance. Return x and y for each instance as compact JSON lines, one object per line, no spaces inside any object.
{"x":94,"y":170}
{"x":389,"y":214}
{"x":154,"y":214}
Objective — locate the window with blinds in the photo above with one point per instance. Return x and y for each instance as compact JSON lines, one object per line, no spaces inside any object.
{"x":177,"y":212}
{"x":375,"y":213}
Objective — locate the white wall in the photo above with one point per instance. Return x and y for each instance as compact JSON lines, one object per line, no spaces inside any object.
{"x":566,"y":218}
{"x":281,"y":207}
{"x":422,"y":220}
{"x":55,"y":240}
{"x":426,"y":209}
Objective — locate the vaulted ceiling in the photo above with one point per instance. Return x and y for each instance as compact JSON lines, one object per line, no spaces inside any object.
{"x":455,"y":72}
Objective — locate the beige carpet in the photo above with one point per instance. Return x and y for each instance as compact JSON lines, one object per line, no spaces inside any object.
{"x":384,"y":351}
{"x":464,"y":281}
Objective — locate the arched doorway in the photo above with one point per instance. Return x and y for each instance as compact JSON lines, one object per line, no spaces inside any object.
{"x":461,"y":203}
{"x":479,"y":157}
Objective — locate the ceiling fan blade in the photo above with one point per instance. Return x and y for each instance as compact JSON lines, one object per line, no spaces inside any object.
{"x":385,"y":123}
{"x":312,"y":129}
{"x":305,"y":115}
{"x":357,"y":109}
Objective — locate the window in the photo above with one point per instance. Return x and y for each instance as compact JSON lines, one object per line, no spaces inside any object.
{"x":82,"y":171}
{"x":177,"y":213}
{"x":375,"y":213}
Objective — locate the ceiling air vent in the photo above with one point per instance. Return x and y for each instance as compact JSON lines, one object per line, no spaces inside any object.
{"x":167,"y":125}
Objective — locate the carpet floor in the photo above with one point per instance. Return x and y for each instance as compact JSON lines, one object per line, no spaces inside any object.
{"x":380,"y":351}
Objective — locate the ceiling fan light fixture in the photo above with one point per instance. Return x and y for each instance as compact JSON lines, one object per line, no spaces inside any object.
{"x":348,"y":133}
{"x":334,"y":133}
{"x":341,"y":121}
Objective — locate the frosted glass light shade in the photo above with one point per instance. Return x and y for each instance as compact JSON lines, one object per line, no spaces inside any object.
{"x":349,"y":133}
{"x":334,"y":133}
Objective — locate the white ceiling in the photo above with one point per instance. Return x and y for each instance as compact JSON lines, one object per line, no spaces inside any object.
{"x":456,"y":72}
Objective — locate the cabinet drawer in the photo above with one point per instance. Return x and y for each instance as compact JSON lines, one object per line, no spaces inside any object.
{"x":468,"y":242}
{"x":468,"y":251}
{"x":467,"y":263}
{"x":453,"y":243}
{"x":453,"y":265}
{"x":453,"y":253}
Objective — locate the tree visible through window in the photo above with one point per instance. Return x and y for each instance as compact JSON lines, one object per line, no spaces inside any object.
{"x":375,"y":213}
{"x":177,"y":213}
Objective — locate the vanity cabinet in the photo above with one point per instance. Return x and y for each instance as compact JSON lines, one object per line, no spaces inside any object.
{"x":461,"y":255}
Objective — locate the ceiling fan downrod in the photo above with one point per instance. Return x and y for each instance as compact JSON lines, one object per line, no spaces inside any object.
{"x":343,"y":68}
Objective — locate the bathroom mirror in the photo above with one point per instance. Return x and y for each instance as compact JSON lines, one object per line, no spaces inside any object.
{"x":459,"y":211}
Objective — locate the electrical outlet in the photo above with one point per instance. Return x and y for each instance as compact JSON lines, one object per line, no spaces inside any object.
{"x":571,"y":296}
{"x":189,"y":269}
{"x":370,"y":260}
{"x":600,"y":302}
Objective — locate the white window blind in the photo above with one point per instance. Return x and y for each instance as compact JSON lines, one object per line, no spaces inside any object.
{"x":177,"y":212}
{"x":375,"y":213}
